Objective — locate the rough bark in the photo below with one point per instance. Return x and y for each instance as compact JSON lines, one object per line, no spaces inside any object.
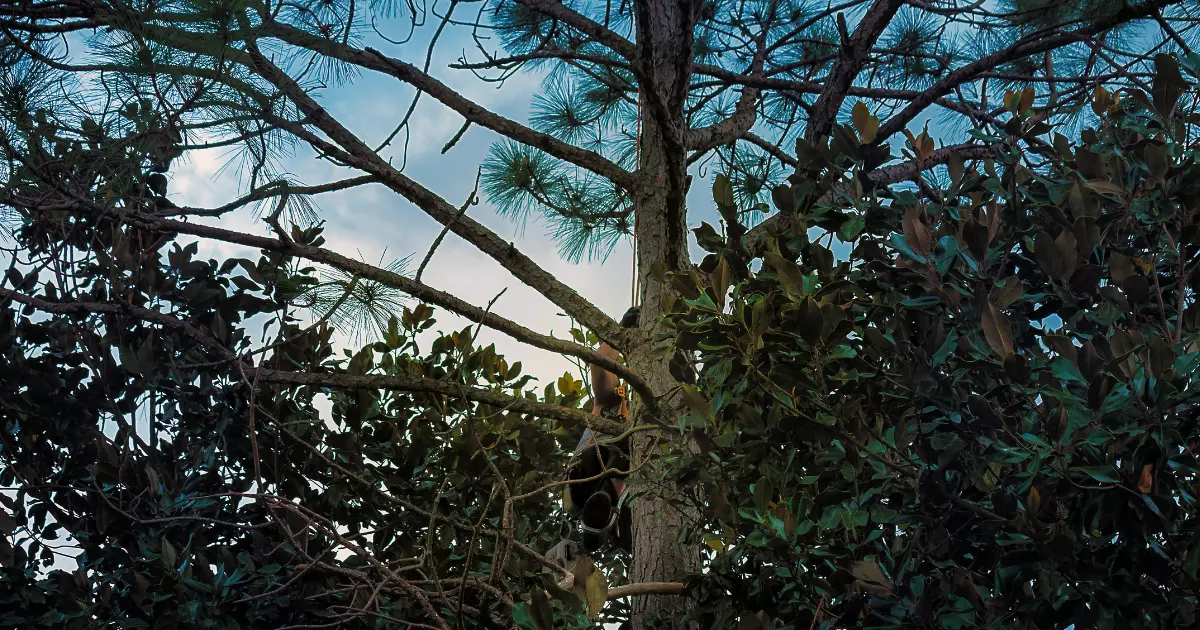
{"x":665,"y":40}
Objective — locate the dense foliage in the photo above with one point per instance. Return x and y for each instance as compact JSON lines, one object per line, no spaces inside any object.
{"x":987,"y":414}
{"x":953,"y":387}
{"x":983,"y":416}
{"x":153,"y":480}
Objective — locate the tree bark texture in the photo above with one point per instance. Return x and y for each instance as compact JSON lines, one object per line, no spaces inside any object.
{"x":665,"y":41}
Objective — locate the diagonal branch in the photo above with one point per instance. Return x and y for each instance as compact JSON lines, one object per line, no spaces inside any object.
{"x":1031,"y":44}
{"x":372,"y":59}
{"x":854,"y":54}
{"x":416,"y":289}
{"x":359,"y":155}
{"x":583,"y":24}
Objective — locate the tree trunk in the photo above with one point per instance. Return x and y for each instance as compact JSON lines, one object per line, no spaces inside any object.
{"x":664,"y":40}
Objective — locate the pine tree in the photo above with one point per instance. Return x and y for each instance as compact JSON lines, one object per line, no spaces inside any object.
{"x":639,"y":101}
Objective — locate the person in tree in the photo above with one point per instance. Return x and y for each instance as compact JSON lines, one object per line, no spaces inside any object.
{"x":596,"y":494}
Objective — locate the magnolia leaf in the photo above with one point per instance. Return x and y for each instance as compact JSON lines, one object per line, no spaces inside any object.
{"x":1146,"y":480}
{"x":784,"y":198}
{"x":1034,"y":501}
{"x":957,"y":167}
{"x":1047,"y":254}
{"x":1168,"y":83}
{"x":1119,"y":267}
{"x":1026,"y":100}
{"x":595,"y":593}
{"x":1009,"y":291}
{"x":695,"y":400}
{"x":1104,"y":187}
{"x":1102,"y":100}
{"x":1100,"y":473}
{"x":790,"y":274}
{"x":722,"y":190}
{"x":583,"y":570}
{"x":1162,"y":356}
{"x":1156,"y":160}
{"x":871,"y":578}
{"x":720,"y":282}
{"x":762,"y":494}
{"x":543,"y":613}
{"x":916,"y":233}
{"x":997,"y":330}
{"x":866,"y":123}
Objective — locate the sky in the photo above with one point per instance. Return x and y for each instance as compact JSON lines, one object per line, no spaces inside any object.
{"x":376,"y":224}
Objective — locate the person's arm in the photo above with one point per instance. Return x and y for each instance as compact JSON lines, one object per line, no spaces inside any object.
{"x":604,"y":383}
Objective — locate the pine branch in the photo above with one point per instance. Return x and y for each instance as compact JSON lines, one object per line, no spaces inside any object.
{"x":585,"y":25}
{"x":372,"y":59}
{"x":274,"y":189}
{"x":1031,"y":44}
{"x":853,"y":55}
{"x":416,"y":289}
{"x":359,"y":155}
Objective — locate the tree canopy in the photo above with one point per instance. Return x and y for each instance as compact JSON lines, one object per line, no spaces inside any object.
{"x":949,"y":386}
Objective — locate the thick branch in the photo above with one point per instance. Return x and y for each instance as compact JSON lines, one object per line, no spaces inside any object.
{"x":646,"y":588}
{"x":854,"y":54}
{"x":1029,"y":45}
{"x":744,"y":113}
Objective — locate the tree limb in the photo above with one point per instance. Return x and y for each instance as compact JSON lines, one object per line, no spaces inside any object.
{"x":359,"y":155}
{"x":372,"y":59}
{"x":585,"y":25}
{"x":422,"y":292}
{"x":1026,"y":46}
{"x":854,"y":54}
